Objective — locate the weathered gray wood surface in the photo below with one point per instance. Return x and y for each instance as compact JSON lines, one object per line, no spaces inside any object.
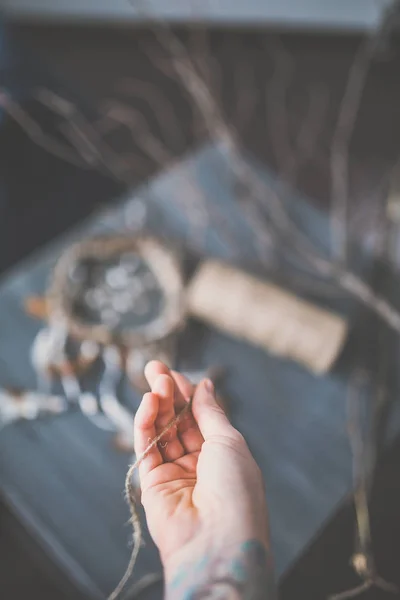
{"x":64,"y":478}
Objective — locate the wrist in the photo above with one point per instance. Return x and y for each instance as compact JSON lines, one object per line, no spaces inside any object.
{"x":242,"y":570}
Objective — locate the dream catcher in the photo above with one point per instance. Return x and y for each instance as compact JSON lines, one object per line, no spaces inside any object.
{"x":113,"y":303}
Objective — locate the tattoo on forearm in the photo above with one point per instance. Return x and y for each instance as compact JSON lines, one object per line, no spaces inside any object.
{"x":246,"y":574}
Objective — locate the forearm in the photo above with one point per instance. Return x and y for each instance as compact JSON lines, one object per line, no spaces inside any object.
{"x":244,"y":572}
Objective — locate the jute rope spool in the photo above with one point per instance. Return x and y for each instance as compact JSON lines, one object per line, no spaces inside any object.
{"x":266,"y":315}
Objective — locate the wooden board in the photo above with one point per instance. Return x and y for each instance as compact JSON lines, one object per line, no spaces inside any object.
{"x":62,"y":476}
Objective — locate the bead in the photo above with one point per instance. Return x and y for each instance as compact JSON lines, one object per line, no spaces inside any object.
{"x":122,"y":303}
{"x":117,"y":277}
{"x":89,"y":350}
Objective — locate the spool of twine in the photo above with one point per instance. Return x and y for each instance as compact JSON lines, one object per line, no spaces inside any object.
{"x":266,"y":315}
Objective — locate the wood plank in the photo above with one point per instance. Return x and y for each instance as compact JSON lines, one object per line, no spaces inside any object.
{"x":63,"y":473}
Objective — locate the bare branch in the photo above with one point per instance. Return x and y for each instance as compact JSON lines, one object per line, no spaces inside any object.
{"x":363,"y":292}
{"x":86,"y":137}
{"x":276,"y":99}
{"x":163,"y":109}
{"x":363,"y":559}
{"x":339,"y":161}
{"x":134,"y":121}
{"x":291,"y":158}
{"x":348,"y":112}
{"x":226,"y":138}
{"x":201,"y":53}
{"x":246,"y":99}
{"x":37,"y":135}
{"x":190,"y":198}
{"x":312,"y":124}
{"x":363,"y":587}
{"x":360,"y":474}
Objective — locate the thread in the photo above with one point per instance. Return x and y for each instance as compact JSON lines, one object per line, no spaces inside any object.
{"x":130,"y":498}
{"x":266,"y":315}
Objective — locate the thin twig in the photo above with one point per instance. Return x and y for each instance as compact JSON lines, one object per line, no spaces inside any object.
{"x":246,"y":99}
{"x":311,"y":128}
{"x":134,"y":121}
{"x":347,"y":117}
{"x":363,"y":587}
{"x":339,"y":159}
{"x":163,"y":109}
{"x":291,"y":157}
{"x":363,"y":465}
{"x":85,"y":134}
{"x":192,"y":202}
{"x":360,"y":470}
{"x":37,"y":134}
{"x":226,"y":138}
{"x":143,"y":584}
{"x":276,"y":106}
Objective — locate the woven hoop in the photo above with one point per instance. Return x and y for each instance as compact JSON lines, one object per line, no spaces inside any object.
{"x":161,"y":261}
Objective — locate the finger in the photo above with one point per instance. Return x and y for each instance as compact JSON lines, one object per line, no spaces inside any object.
{"x":188,"y":429}
{"x":210,"y":417}
{"x":170,"y":445}
{"x":145,"y":431}
{"x":153,"y":369}
{"x":184,"y":389}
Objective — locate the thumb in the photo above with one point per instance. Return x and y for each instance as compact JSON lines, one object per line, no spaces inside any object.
{"x":210,"y":417}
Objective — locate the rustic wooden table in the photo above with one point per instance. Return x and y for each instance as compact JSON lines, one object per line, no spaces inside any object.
{"x":62,"y":476}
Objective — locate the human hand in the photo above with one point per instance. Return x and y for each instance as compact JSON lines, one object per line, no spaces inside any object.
{"x":202,"y":491}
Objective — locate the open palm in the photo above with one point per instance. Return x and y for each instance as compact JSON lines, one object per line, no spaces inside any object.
{"x":201,"y":475}
{"x":168,"y":476}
